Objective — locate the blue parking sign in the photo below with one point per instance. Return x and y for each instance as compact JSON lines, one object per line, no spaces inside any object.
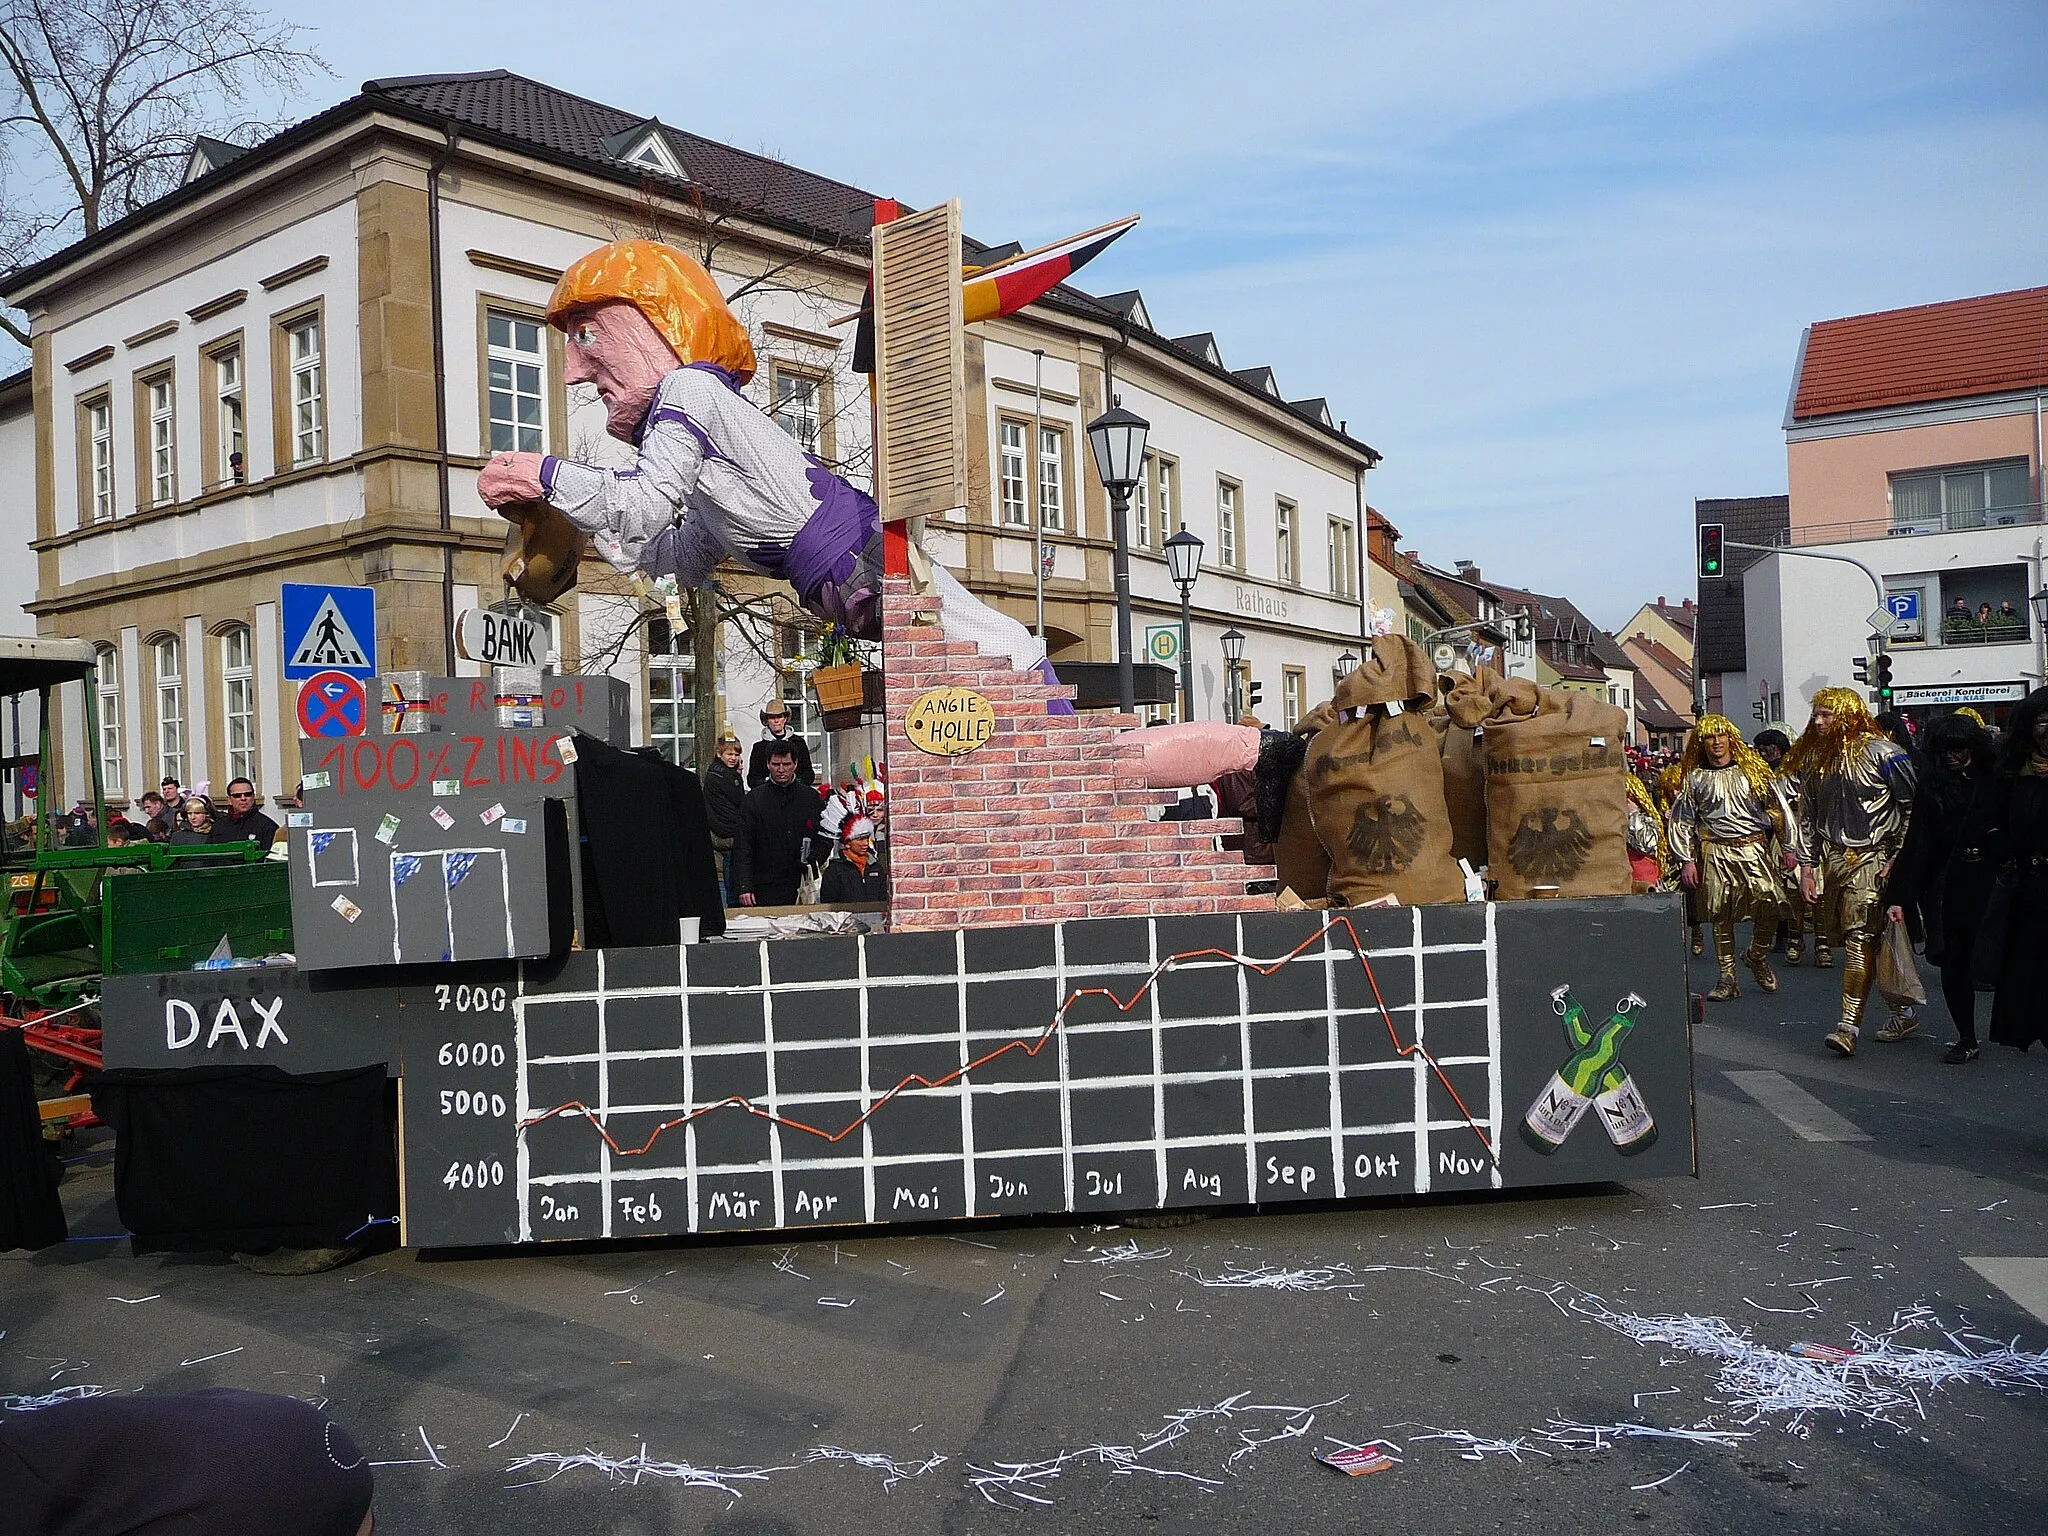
{"x":329,"y":629}
{"x":1904,"y":606}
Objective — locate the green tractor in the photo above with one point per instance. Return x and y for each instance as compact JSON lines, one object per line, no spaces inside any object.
{"x":78,"y":908}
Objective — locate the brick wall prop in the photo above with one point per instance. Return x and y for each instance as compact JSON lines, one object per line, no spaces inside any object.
{"x":1049,"y":821}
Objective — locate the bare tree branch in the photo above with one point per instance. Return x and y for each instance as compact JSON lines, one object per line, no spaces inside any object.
{"x":102,"y":100}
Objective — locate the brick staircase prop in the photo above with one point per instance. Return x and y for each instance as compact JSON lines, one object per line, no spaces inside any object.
{"x":1048,"y":821}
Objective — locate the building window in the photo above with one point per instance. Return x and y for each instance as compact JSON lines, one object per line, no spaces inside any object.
{"x":238,"y":701}
{"x":1344,"y":561}
{"x":107,"y":679}
{"x":96,"y":459}
{"x":1141,"y":507}
{"x":1166,"y":499}
{"x":793,"y":646}
{"x":308,"y":390}
{"x":798,"y":407}
{"x":1013,"y":474}
{"x":1978,"y":496}
{"x":1052,"y":479}
{"x":671,"y":692}
{"x":1226,"y":523}
{"x":516,"y":370}
{"x":231,"y":464}
{"x":1292,"y":683}
{"x":1286,"y":549}
{"x":168,"y":654}
{"x":158,"y":400}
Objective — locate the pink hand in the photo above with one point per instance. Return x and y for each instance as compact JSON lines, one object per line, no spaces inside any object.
{"x":509,"y":478}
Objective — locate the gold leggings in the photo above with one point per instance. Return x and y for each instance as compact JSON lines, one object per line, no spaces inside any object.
{"x":1848,"y":910}
{"x":1724,"y":945}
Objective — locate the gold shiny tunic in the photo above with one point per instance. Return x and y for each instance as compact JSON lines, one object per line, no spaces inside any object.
{"x":1852,"y":824}
{"x":1720,"y":822}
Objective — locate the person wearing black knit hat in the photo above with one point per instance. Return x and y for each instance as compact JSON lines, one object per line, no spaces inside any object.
{"x":222,"y":1462}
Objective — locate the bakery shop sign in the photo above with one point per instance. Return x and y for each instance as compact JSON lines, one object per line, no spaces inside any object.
{"x":949,"y":722}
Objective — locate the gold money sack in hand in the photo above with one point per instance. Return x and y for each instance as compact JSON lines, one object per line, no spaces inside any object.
{"x":542,"y":551}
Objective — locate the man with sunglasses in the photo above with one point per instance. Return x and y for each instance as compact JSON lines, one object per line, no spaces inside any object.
{"x":241,"y":822}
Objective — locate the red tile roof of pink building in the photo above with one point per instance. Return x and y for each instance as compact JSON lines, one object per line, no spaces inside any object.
{"x":1980,"y":346}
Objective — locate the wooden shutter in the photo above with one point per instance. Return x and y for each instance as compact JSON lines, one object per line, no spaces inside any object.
{"x":920,"y":366}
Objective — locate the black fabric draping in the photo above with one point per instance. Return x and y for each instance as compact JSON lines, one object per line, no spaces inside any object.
{"x":249,"y":1159}
{"x":647,"y":860}
{"x":31,"y":1215}
{"x":219,"y":1461}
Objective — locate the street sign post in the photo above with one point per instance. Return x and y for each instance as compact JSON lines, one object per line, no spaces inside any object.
{"x":1907,"y":621}
{"x":333,"y":704}
{"x":499,"y":639}
{"x":329,"y":629}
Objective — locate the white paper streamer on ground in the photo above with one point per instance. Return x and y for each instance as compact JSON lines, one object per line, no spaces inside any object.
{"x":1876,"y":1379}
{"x":15,"y":1402}
{"x":630,"y":1469}
{"x":892,"y":1470}
{"x":1001,"y":1481}
{"x":1121,"y":1253}
{"x":1479,"y":1447}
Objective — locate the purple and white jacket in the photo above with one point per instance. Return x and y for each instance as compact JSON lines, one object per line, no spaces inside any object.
{"x":716,"y":478}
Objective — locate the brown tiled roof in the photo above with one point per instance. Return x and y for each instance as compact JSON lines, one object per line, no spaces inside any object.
{"x":1662,"y":654}
{"x":500,"y":102}
{"x":1980,"y":346}
{"x":1680,"y":618}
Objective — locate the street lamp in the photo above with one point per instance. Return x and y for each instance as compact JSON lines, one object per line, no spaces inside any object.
{"x":1346,"y":664}
{"x":1184,"y":564}
{"x":1233,"y":653}
{"x":2040,"y":602}
{"x":1118,"y":438}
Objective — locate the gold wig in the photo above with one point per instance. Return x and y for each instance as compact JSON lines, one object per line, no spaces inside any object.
{"x":1822,"y":751}
{"x":1745,"y":757}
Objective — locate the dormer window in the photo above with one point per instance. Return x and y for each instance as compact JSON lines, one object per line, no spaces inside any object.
{"x":647,"y":144}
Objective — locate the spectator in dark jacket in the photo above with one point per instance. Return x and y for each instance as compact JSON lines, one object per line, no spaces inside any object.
{"x":725,"y":795}
{"x":243,"y":823}
{"x":195,"y":822}
{"x":856,"y":872}
{"x":1953,"y":848}
{"x":777,"y":822}
{"x":157,"y":819}
{"x":775,"y":718}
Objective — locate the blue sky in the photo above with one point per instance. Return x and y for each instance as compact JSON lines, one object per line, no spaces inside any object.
{"x":1552,"y":260}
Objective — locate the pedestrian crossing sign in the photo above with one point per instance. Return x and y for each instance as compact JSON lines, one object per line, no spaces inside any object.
{"x":329,"y":629}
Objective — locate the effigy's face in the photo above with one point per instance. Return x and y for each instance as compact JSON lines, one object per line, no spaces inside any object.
{"x":613,"y":347}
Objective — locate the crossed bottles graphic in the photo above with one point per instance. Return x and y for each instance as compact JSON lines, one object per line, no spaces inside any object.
{"x":1592,"y":1077}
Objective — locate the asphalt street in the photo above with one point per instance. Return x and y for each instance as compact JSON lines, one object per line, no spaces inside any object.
{"x":1833,"y":1196}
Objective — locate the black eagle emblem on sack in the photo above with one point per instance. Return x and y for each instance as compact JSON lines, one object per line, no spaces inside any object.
{"x":1386,"y":834}
{"x":1543,"y":848}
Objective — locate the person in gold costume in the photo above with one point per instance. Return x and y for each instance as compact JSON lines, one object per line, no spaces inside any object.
{"x":1733,"y":832}
{"x":1855,"y":798}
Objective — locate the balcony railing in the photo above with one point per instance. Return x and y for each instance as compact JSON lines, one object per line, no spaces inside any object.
{"x":1961,"y":629}
{"x":2015,"y":515}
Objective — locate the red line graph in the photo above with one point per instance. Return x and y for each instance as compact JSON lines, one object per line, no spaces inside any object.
{"x":1031,"y":1047}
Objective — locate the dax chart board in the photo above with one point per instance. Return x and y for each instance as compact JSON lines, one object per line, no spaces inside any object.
{"x":1105,"y":1065}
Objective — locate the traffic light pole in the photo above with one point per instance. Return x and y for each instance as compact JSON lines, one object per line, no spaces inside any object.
{"x":1876,"y":581}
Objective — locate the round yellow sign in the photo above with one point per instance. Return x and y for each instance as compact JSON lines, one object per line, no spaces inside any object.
{"x":949,"y":722}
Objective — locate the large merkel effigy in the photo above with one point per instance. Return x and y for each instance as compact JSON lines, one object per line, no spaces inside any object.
{"x":1070,"y":1005}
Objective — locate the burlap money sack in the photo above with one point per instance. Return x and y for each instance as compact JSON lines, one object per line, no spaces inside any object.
{"x":1466,"y":703}
{"x":542,"y":551}
{"x":1556,"y":799}
{"x":1299,"y":863}
{"x":1375,"y":782}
